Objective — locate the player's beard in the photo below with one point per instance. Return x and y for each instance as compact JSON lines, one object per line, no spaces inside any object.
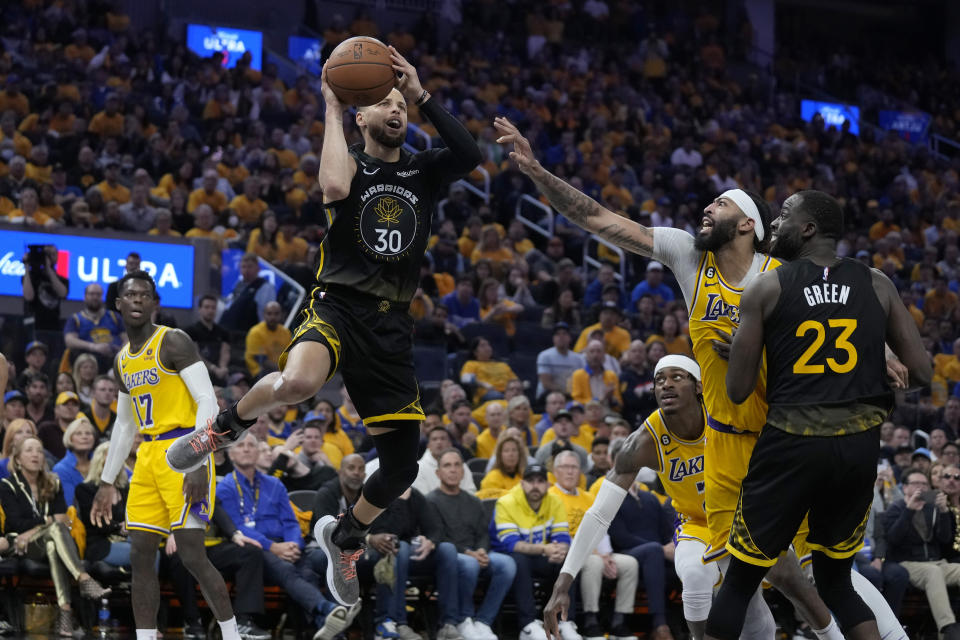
{"x":723,"y":231}
{"x":787,"y":246}
{"x":382,"y":135}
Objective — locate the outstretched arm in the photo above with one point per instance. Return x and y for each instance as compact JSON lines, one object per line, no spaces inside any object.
{"x":746,"y":353}
{"x":577,"y":207}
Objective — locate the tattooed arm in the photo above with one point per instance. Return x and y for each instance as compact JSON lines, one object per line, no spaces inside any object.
{"x":577,"y":207}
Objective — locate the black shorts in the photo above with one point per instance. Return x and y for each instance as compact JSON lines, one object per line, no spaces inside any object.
{"x":828,"y":478}
{"x":371,"y":342}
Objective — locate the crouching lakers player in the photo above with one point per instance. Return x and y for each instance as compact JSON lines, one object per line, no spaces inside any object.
{"x":165,"y":392}
{"x":672,"y":443}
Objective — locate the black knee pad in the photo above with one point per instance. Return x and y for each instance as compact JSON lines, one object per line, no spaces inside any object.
{"x":397,"y":450}
{"x":832,"y":576}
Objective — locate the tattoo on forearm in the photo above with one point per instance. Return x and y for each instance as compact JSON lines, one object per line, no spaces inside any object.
{"x":576,"y":206}
{"x":623,"y":238}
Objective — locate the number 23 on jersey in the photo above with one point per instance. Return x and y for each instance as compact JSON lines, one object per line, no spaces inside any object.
{"x":811,"y":360}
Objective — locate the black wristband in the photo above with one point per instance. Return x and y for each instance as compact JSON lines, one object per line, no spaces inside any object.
{"x":422,"y":98}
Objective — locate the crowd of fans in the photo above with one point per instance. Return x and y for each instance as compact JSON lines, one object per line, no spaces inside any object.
{"x":543,"y":368}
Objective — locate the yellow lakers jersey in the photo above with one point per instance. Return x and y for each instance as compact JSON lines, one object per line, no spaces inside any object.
{"x":681,"y":469}
{"x":716,"y":306}
{"x":160,"y":399}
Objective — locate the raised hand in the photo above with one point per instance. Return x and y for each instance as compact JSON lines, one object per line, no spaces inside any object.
{"x":522,"y":153}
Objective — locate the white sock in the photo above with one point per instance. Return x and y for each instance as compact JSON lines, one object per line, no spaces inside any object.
{"x":831,"y":632}
{"x":146,"y":634}
{"x":890,"y":628}
{"x":228,"y":628}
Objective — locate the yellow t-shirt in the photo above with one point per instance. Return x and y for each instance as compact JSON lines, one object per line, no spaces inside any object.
{"x":263,"y":342}
{"x":616,"y":340}
{"x":248,"y":211}
{"x":496,"y":483}
{"x":119,"y":193}
{"x":576,"y":505}
{"x":486,"y":444}
{"x":216,"y":200}
{"x":341,"y":441}
{"x":494,"y":373}
{"x":580,"y":389}
{"x":584,"y":437}
{"x":106,"y":126}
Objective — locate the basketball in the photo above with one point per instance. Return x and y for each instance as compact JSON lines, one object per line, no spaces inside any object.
{"x":360,"y":72}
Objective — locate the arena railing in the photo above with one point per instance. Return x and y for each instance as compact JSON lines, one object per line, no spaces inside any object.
{"x":590,"y":261}
{"x":536,"y":225}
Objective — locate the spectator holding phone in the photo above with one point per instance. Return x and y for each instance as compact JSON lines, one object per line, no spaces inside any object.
{"x":43,"y":290}
{"x":916,"y":529}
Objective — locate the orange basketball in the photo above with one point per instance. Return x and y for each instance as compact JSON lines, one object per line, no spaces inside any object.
{"x":360,"y":72}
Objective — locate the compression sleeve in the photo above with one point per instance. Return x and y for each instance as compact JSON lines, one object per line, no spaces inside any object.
{"x":462,"y":154}
{"x":675,"y":249}
{"x":120,"y":440}
{"x":594,"y":525}
{"x":198,"y":383}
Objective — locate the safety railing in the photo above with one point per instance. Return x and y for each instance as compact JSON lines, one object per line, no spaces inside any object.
{"x":537,"y":226}
{"x":590,"y":261}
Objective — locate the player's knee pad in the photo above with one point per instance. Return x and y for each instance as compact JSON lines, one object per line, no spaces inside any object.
{"x":397,"y":451}
{"x":696,"y":604}
{"x":832,"y":577}
{"x":698,"y":580}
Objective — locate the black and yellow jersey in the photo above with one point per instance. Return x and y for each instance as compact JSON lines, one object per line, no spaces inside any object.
{"x":378,"y":234}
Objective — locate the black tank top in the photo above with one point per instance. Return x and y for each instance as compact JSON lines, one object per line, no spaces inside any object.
{"x":825,"y":338}
{"x":378,"y":234}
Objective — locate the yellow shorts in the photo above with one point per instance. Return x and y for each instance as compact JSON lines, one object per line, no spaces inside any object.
{"x":156,"y":502}
{"x":692,"y":531}
{"x":726,"y":457}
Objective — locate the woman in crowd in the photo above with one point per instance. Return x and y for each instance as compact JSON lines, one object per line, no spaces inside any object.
{"x":32,"y":500}
{"x":497,"y":309}
{"x":84,"y":373}
{"x":17,"y":431}
{"x":509,"y":461}
{"x":489,"y":375}
{"x":108,"y":543}
{"x":674,"y":341}
{"x":79,"y":440}
{"x":263,"y":240}
{"x":564,"y":309}
{"x":332,"y":433}
{"x":64,"y":382}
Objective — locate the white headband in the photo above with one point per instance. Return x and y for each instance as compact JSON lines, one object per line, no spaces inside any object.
{"x":680,"y":362}
{"x":748,"y":207}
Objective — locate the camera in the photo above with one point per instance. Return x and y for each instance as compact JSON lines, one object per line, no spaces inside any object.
{"x":36,"y":257}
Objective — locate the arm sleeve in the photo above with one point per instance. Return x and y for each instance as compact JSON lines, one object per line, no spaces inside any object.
{"x":197,"y":379}
{"x":594,"y":526}
{"x":120,"y":440}
{"x":674,"y":248}
{"x":462,"y":154}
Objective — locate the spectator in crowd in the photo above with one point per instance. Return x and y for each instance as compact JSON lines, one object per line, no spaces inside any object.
{"x":102,"y":415}
{"x":605,"y":277}
{"x":643,"y":528}
{"x":922,"y":459}
{"x":131,"y":264}
{"x":245,"y":305}
{"x":917,"y":527}
{"x":672,"y":338}
{"x":510,"y":458}
{"x":107,"y":542}
{"x":35,"y":511}
{"x":94,"y":329}
{"x":213,"y":341}
{"x":686,"y":155}
{"x":496,"y":414}
{"x":51,"y":432}
{"x":36,"y":359}
{"x":259,"y":507}
{"x":14,"y":408}
{"x":949,"y":417}
{"x":438,"y":441}
{"x":950,"y":454}
{"x":490,"y":376}
{"x":338,"y":494}
{"x":39,"y":409}
{"x":314,"y":449}
{"x":530,"y":525}
{"x":248,"y":206}
{"x":565,"y":433}
{"x":600,"y":462}
{"x":208,"y":193}
{"x":410,"y":530}
{"x":43,"y":290}
{"x":938,"y":438}
{"x":464,"y":524}
{"x":110,"y":187}
{"x":616,"y":339}
{"x":636,"y":384}
{"x":333,"y":434}
{"x":555,"y":366}
{"x":266,"y":341}
{"x":652,"y":286}
{"x":438,"y":329}
{"x":602,"y":562}
{"x":463,"y":307}
{"x":563,"y":310}
{"x":350,"y":422}
{"x":554,"y":402}
{"x":16,"y":431}
{"x":79,"y":440}
{"x":84,"y":373}
{"x":497,"y":309}
{"x":594,"y":381}
{"x":137,"y":214}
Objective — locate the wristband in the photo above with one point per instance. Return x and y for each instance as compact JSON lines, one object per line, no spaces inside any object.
{"x":423,"y":98}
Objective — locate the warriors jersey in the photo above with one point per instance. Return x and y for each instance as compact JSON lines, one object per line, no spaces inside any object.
{"x":160,"y":399}
{"x":680,"y":470}
{"x":378,"y":234}
{"x":716,"y":307}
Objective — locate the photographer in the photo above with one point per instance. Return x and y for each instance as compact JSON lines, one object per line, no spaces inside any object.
{"x":43,"y":290}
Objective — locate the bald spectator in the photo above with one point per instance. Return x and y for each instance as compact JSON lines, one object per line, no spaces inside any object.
{"x":496,"y":415}
{"x":137,"y":214}
{"x":208,"y":194}
{"x":594,"y":381}
{"x":266,"y":341}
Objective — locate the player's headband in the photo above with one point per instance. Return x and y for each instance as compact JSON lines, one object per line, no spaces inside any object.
{"x":748,"y":207}
{"x":680,"y":362}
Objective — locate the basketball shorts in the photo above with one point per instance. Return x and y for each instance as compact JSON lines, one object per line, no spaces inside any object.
{"x":155,"y":502}
{"x":370,"y":341}
{"x":689,"y":530}
{"x":828,"y":479}
{"x":726,"y":457}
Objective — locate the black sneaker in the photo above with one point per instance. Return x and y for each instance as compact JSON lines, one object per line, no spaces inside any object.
{"x":250,"y":631}
{"x":341,"y":561}
{"x":194,"y":630}
{"x":190,"y":452}
{"x":592,"y":630}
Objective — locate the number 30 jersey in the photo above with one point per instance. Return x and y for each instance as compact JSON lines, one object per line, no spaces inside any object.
{"x":825,"y":350}
{"x":378,"y":234}
{"x":161,"y":401}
